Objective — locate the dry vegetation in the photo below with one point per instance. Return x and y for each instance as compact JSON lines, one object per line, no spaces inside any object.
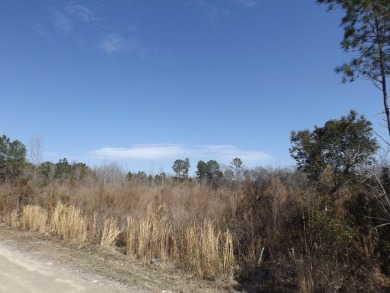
{"x":270,"y":232}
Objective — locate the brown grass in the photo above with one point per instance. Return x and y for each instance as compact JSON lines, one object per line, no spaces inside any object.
{"x":149,"y":236}
{"x":110,"y":233}
{"x":199,"y":246}
{"x":68,"y":223}
{"x":8,"y":201}
{"x":34,"y":218}
{"x":12,"y":219}
{"x":208,"y":250}
{"x":213,"y":232}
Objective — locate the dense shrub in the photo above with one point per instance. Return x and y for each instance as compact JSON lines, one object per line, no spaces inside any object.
{"x":274,"y":231}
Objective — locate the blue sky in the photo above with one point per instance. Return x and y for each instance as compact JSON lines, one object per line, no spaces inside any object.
{"x":145,"y":82}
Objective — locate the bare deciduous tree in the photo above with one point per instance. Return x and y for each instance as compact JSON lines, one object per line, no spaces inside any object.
{"x":35,"y":152}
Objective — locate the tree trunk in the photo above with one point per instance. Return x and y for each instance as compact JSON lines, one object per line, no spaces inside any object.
{"x":384,"y":86}
{"x":382,"y":71}
{"x":387,"y":112}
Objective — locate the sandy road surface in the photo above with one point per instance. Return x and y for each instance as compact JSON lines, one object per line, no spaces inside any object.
{"x":24,"y":272}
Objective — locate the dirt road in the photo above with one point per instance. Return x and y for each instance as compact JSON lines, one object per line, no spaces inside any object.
{"x":33,"y":262}
{"x":26,"y":272}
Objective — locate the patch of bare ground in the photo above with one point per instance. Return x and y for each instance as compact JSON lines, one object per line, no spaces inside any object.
{"x":111,"y":265}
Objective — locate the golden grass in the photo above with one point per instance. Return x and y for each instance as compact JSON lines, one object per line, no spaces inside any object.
{"x":110,"y":233}
{"x":33,"y":218}
{"x":68,"y":223}
{"x":12,"y":219}
{"x":208,"y":250}
{"x":91,"y":233}
{"x":159,"y":221}
{"x":201,"y":247}
{"x":228,"y":260}
{"x":14,"y":223}
{"x":193,"y":260}
{"x":149,"y":236}
{"x":131,"y":240}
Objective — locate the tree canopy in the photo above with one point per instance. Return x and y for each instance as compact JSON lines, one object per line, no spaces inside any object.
{"x":366,"y":26}
{"x":12,"y":158}
{"x":181,"y":168}
{"x":201,"y":170}
{"x":210,"y":171}
{"x":214,"y":173}
{"x":238,"y":167}
{"x":343,"y":145}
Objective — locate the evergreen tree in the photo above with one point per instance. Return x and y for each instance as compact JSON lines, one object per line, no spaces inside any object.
{"x":181,"y":168}
{"x":366,"y":26}
{"x":12,"y":159}
{"x":238,"y":167}
{"x":201,"y":170}
{"x":343,"y":146}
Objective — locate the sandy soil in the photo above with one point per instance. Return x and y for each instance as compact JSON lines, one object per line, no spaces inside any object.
{"x":32,"y":262}
{"x":21,"y":272}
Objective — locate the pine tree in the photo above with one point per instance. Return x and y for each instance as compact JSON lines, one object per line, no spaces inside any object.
{"x":366,"y":26}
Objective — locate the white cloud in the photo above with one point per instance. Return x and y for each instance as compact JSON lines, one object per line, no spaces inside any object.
{"x":246,"y":3}
{"x":80,"y":12}
{"x":139,"y":152}
{"x":87,"y":27}
{"x":221,"y":153}
{"x":61,"y":22}
{"x":225,"y":153}
{"x":112,"y":43}
{"x":115,"y":43}
{"x":42,"y":30}
{"x":215,"y":13}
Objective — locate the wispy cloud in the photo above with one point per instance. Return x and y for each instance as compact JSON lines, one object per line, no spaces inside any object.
{"x":246,"y":3}
{"x":221,"y":153}
{"x":114,"y":43}
{"x":64,"y":20}
{"x":86,"y":26}
{"x":229,"y":152}
{"x":215,"y":13}
{"x":42,"y":30}
{"x":80,"y":12}
{"x":61,"y":22}
{"x":139,"y":152}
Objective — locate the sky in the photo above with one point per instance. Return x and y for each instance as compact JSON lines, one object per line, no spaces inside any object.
{"x":145,"y":82}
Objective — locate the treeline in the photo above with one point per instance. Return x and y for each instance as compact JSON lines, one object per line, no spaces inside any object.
{"x":14,"y":166}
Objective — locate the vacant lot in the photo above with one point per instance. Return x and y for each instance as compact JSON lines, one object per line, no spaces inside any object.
{"x":31,"y":262}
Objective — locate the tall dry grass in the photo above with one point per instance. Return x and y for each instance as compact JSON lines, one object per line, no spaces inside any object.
{"x":156,"y":220}
{"x":110,"y":233}
{"x":200,"y":247}
{"x":69,"y":224}
{"x":9,"y":201}
{"x":149,"y":236}
{"x":245,"y":230}
{"x":34,"y":218}
{"x":12,"y":219}
{"x":209,"y":251}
